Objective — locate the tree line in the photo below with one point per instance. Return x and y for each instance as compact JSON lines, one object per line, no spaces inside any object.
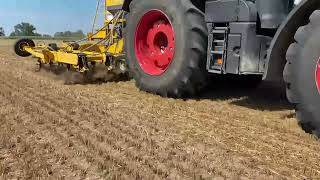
{"x":27,"y":29}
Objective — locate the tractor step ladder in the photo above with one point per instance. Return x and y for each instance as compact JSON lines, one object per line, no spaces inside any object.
{"x":217,"y":49}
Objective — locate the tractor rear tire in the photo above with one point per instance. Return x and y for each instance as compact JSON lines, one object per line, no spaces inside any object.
{"x":183,"y":73}
{"x":302,"y":75}
{"x":18,"y":47}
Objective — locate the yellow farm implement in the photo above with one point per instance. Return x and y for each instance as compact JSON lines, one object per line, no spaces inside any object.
{"x":104,"y":46}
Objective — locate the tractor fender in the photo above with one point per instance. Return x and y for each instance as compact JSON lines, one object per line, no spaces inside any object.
{"x":276,"y":60}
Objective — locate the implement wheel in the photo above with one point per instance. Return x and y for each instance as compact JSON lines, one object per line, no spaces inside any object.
{"x":166,"y":45}
{"x":19,"y":47}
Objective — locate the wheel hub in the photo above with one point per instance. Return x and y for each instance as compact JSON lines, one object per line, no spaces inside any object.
{"x":154,"y":43}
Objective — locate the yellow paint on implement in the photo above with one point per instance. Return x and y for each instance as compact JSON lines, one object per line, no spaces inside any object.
{"x":111,"y":3}
{"x":47,"y":56}
{"x":116,"y":48}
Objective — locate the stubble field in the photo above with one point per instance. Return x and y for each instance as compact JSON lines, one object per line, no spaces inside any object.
{"x":113,"y":131}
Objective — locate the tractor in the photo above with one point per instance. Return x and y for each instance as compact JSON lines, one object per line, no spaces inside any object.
{"x":171,"y":46}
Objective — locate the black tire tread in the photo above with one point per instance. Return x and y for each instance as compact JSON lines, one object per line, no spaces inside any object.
{"x":303,"y":113}
{"x":17,"y":49}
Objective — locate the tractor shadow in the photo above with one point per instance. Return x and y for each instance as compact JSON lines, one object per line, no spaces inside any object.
{"x":267,"y":96}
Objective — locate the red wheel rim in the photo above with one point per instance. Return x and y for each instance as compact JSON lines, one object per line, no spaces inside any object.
{"x":318,"y":75}
{"x":154,"y":42}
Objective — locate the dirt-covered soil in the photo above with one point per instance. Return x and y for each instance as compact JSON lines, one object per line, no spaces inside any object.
{"x":111,"y":130}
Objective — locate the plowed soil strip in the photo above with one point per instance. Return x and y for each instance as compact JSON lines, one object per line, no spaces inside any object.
{"x":54,"y":114}
{"x":45,"y":137}
{"x":250,"y":144}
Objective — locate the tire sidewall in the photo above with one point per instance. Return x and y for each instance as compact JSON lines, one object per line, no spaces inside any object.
{"x":304,"y":72}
